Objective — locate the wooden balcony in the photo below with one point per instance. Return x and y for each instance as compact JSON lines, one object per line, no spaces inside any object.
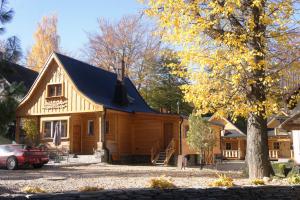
{"x":273,"y":154}
{"x":231,"y":154}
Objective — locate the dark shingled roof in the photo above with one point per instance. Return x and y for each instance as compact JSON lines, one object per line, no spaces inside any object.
{"x":15,"y":73}
{"x":99,"y":85}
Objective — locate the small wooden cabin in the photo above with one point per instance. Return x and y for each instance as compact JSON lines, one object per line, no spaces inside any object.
{"x":208,"y":156}
{"x":95,"y":111}
{"x":232,"y":139}
{"x":293,"y":124}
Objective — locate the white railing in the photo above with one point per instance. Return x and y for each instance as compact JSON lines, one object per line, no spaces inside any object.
{"x":230,"y":153}
{"x":273,"y":154}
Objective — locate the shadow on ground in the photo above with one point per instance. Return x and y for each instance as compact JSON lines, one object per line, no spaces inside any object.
{"x":70,"y":172}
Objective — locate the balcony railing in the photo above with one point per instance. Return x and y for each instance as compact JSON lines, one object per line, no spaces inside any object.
{"x":273,"y":154}
{"x":231,"y":153}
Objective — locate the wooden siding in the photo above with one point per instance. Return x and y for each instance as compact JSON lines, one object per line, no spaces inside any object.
{"x":89,"y":142}
{"x":135,"y":134}
{"x":72,"y":101}
{"x":284,"y":150}
{"x":186,"y":149}
{"x":149,"y":129}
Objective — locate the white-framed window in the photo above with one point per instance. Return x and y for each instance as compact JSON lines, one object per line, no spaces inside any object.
{"x":49,"y":128}
{"x":54,"y":90}
{"x":90,"y":127}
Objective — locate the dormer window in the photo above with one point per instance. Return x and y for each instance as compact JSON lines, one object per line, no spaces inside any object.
{"x":54,"y":90}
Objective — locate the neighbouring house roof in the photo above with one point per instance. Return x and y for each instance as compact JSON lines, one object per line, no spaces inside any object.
{"x":292,"y":123}
{"x":99,"y":85}
{"x":271,"y":133}
{"x":236,"y":132}
{"x":232,"y":134}
{"x":16,"y":73}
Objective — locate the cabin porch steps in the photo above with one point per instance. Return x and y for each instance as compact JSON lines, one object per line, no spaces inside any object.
{"x":161,"y":158}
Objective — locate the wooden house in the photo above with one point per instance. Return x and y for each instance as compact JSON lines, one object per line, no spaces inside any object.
{"x":192,"y":154}
{"x":232,"y":139}
{"x":96,"y":110}
{"x":279,"y":140}
{"x":293,"y":124}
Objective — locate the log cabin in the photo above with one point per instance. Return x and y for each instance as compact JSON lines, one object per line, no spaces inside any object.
{"x":192,"y":154}
{"x":292,"y":124}
{"x":96,"y":110}
{"x":231,"y":140}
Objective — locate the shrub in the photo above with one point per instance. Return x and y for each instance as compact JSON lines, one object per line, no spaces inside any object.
{"x":162,"y":183}
{"x":33,"y":190}
{"x":31,"y":131}
{"x":222,"y":180}
{"x":281,"y":169}
{"x":295,"y":179}
{"x":293,"y":171}
{"x":89,"y":189}
{"x":258,"y":181}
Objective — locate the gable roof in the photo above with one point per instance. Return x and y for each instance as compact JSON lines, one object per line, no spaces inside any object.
{"x":233,"y":134}
{"x":16,"y":73}
{"x":99,"y":85}
{"x":237,"y":132}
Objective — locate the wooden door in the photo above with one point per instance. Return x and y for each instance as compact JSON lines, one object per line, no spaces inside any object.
{"x":168,"y":133}
{"x":77,"y":139}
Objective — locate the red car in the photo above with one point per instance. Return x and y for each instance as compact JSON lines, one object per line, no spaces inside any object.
{"x":13,"y":156}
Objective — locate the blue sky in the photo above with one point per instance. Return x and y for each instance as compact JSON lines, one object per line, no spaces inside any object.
{"x":75,"y":18}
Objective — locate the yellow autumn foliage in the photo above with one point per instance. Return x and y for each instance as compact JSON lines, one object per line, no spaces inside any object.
{"x":46,"y":41}
{"x":233,"y":53}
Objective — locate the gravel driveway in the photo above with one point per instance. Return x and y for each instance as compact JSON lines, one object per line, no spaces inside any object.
{"x":60,"y":179}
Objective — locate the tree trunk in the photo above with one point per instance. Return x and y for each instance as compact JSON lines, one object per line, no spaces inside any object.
{"x":257,"y":156}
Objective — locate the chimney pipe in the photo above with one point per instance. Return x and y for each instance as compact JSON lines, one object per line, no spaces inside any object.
{"x":120,"y":96}
{"x":121,"y":71}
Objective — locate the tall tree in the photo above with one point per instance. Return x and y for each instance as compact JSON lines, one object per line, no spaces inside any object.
{"x":129,"y":40}
{"x":162,"y":87}
{"x":46,"y":41}
{"x":10,"y":49}
{"x":230,"y":48}
{"x":10,"y":52}
{"x":6,"y":14}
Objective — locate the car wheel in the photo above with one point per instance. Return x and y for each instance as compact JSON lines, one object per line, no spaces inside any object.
{"x":11,"y":163}
{"x":36,"y":166}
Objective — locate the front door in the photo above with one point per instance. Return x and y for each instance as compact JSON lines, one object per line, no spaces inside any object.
{"x":77,"y":139}
{"x":168,"y":133}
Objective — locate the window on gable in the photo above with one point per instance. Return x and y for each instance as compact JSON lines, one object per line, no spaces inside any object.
{"x":90,"y":127}
{"x":55,"y":90}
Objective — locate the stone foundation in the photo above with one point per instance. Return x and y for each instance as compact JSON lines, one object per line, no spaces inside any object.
{"x":237,"y":193}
